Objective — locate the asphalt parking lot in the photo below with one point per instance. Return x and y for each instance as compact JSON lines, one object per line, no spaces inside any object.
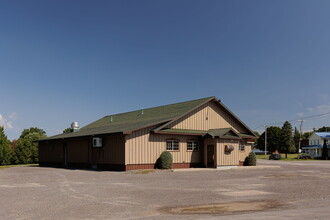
{"x":288,"y":190}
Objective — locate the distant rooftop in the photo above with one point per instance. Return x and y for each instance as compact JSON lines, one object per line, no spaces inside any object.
{"x":323,"y":134}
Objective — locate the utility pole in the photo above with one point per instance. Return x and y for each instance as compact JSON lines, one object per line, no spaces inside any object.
{"x":301,"y":122}
{"x":265,"y":141}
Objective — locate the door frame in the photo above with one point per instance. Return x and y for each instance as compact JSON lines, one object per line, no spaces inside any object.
{"x":207,"y":142}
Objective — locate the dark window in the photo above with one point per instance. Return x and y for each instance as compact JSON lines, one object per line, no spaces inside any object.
{"x":241,"y":146}
{"x":172,"y":145}
{"x":192,"y":146}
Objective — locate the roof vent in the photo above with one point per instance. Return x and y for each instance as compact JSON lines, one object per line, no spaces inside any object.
{"x":75,"y":126}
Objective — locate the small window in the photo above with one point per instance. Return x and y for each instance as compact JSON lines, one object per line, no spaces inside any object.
{"x":172,"y":145}
{"x":241,"y":146}
{"x":192,"y":146}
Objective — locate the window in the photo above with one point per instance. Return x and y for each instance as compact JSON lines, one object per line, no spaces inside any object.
{"x":172,"y":145}
{"x":241,"y":146}
{"x":192,"y":146}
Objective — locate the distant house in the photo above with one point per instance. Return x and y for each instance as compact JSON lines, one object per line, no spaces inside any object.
{"x":316,"y":140}
{"x":198,"y":133}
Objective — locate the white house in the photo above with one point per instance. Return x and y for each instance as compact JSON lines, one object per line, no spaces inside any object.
{"x":316,"y":140}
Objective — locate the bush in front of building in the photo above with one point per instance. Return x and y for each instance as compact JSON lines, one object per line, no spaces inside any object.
{"x":165,"y":161}
{"x":250,"y":160}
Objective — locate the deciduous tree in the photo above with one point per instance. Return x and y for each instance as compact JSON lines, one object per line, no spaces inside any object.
{"x":5,"y":151}
{"x":273,"y":139}
{"x":27,"y":150}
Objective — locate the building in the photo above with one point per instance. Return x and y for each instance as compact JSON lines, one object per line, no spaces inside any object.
{"x":198,"y":133}
{"x":316,"y":141}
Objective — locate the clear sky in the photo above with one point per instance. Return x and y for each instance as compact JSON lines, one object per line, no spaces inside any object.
{"x":70,"y":60}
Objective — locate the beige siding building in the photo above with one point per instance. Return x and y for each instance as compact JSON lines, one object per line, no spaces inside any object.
{"x":198,"y":133}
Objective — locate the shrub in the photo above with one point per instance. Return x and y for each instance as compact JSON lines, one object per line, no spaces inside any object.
{"x":164,"y":161}
{"x":250,"y":160}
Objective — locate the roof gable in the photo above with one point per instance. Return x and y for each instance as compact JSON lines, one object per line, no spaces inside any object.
{"x":130,"y":121}
{"x":210,"y":115}
{"x":223,"y":133}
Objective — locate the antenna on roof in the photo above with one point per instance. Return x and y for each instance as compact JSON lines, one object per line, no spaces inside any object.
{"x":142,"y":111}
{"x":110,"y":118}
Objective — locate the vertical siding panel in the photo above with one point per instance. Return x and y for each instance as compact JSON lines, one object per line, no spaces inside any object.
{"x":145,"y":148}
{"x":217,"y":118}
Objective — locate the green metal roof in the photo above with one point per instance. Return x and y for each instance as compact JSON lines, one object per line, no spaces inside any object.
{"x":130,"y":121}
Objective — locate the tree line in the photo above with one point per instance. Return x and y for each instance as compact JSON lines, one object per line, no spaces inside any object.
{"x":24,"y":150}
{"x":284,"y":139}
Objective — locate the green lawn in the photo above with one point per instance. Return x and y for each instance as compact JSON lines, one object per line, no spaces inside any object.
{"x":19,"y":165}
{"x":290,"y":157}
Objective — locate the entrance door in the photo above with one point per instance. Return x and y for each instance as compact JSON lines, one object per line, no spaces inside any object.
{"x":95,"y":156}
{"x":210,"y":155}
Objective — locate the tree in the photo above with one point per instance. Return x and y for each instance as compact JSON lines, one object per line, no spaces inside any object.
{"x":325,"y":150}
{"x":287,"y":139}
{"x":306,"y":135}
{"x":5,"y":151}
{"x":273,"y":139}
{"x":27,"y":150}
{"x":67,"y":130}
{"x":323,"y":129}
{"x":26,"y":132}
{"x":256,"y":133}
{"x":13,"y":146}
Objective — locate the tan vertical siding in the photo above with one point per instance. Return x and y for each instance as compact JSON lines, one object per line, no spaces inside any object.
{"x":245,"y":153}
{"x":227,"y":159}
{"x":208,"y":116}
{"x":142,"y":147}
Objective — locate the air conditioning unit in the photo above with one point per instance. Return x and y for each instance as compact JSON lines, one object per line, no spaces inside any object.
{"x":97,"y":142}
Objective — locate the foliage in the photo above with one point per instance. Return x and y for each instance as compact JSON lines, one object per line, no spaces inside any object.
{"x":251,"y":160}
{"x":323,"y":129}
{"x":67,"y":130}
{"x":287,"y":145}
{"x":325,"y":150}
{"x":5,"y":150}
{"x":32,"y":130}
{"x":26,"y":150}
{"x":306,"y":135}
{"x":256,"y":133}
{"x":165,"y":161}
{"x":273,"y":139}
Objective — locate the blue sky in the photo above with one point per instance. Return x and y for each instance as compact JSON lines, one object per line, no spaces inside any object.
{"x":64,"y":61}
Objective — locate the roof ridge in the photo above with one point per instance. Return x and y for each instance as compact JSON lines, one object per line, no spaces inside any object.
{"x":206,"y":98}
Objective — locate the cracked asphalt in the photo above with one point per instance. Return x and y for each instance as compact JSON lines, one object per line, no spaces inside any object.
{"x":298,"y":190}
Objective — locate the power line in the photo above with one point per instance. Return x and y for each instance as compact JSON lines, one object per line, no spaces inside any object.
{"x":296,"y":120}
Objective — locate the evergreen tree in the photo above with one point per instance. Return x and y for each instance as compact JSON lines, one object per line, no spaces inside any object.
{"x":5,"y":151}
{"x":287,"y":139}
